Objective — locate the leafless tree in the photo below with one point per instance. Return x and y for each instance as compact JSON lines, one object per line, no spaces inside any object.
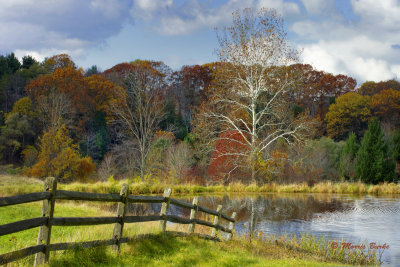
{"x":179,"y":160}
{"x":55,"y":109}
{"x":139,"y":109}
{"x":107,"y":166}
{"x":251,"y":95}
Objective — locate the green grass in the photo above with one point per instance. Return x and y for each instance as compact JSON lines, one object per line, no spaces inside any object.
{"x":158,"y":250}
{"x":168,"y":250}
{"x":13,"y":185}
{"x":61,"y":234}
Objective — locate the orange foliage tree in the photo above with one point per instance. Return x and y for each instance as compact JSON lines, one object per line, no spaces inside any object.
{"x":66,"y":96}
{"x":59,"y":157}
{"x":386,"y":106}
{"x":59,"y":61}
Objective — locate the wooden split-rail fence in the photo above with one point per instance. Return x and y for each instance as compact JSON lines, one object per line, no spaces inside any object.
{"x":47,"y":220}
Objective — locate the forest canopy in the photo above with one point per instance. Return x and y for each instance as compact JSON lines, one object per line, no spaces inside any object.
{"x":256,"y":115}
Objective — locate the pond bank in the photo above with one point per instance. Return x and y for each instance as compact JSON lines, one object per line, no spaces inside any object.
{"x":12,"y":185}
{"x":160,"y":249}
{"x":261,"y":251}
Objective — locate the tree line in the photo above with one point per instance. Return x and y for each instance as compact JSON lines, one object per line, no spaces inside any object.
{"x":256,"y":115}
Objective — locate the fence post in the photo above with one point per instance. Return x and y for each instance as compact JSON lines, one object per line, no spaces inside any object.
{"x":216,"y":221}
{"x":193,"y":213}
{"x":164,"y":208}
{"x":44,"y":235}
{"x":231,"y":226}
{"x":121,"y":211}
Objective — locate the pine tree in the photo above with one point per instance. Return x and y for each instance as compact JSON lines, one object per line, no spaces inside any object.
{"x":348,"y":156}
{"x":374,"y":164}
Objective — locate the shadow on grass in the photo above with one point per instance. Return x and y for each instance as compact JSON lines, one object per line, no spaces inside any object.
{"x":163,"y":249}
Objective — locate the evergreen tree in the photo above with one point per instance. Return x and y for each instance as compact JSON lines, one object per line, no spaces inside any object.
{"x":28,"y":61}
{"x":347,"y":157}
{"x":396,"y":145}
{"x":374,"y":163}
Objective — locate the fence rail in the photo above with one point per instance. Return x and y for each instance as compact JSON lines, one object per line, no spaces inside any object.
{"x":51,"y":194}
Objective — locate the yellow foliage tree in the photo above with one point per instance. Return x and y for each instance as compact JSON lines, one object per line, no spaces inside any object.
{"x":350,"y":113}
{"x":24,"y":107}
{"x":59,"y":157}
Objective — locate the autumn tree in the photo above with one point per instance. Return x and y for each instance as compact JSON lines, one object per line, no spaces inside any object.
{"x":350,"y":113}
{"x":24,"y":106}
{"x":386,"y":106}
{"x":225,"y":162}
{"x":139,"y":105}
{"x":250,"y":98}
{"x":374,"y":163}
{"x":66,"y":96}
{"x":59,"y":157}
{"x":58,"y":62}
{"x":51,"y":96}
{"x":187,"y":87}
{"x":317,"y":89}
{"x":371,"y":88}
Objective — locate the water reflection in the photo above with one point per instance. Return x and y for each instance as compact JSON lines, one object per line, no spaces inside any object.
{"x":362,"y":219}
{"x":358,"y":219}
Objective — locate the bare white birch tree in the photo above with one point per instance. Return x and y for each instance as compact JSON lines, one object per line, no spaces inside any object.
{"x":250,"y":98}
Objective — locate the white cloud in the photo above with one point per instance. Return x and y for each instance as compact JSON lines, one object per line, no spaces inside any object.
{"x":371,"y":69}
{"x":285,"y":8}
{"x":396,"y":70}
{"x":168,"y":18}
{"x":320,"y":58}
{"x":360,"y":56}
{"x":148,"y":9}
{"x":319,"y":6}
{"x":36,"y":55}
{"x":383,"y":14}
{"x":362,"y":48}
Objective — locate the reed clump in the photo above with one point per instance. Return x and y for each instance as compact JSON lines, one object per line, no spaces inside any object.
{"x":13,"y":185}
{"x":329,"y":250}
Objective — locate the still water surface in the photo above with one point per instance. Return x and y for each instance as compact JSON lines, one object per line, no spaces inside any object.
{"x":357,"y":219}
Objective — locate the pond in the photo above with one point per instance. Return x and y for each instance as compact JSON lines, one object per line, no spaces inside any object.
{"x":357,"y":219}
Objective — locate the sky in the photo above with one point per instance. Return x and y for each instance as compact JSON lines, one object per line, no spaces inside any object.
{"x":359,"y":38}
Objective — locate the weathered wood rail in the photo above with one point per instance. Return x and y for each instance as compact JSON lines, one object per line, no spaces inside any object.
{"x":46,"y":221}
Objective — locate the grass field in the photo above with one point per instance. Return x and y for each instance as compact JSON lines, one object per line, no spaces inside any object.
{"x":161,"y":249}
